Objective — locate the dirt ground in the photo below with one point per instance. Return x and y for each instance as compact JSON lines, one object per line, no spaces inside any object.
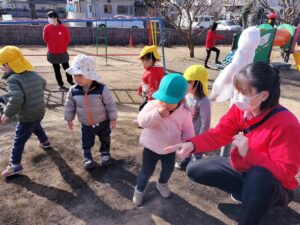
{"x":55,"y":188}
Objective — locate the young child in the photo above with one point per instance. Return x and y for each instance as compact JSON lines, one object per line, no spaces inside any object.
{"x":94,"y":106}
{"x":165,"y":120}
{"x":152,"y":74}
{"x":197,"y":100}
{"x":210,"y":44}
{"x":25,"y":101}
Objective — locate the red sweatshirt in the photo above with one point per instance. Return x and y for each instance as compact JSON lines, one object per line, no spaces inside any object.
{"x":57,"y":38}
{"x":211,"y":38}
{"x":273,"y":145}
{"x":151,"y":79}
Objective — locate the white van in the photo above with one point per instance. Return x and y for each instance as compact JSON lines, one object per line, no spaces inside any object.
{"x":203,"y":22}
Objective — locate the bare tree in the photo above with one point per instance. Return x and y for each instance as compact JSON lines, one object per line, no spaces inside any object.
{"x":181,"y":14}
{"x":290,"y":9}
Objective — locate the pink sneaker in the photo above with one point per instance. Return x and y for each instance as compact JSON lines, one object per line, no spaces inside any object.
{"x":12,"y":170}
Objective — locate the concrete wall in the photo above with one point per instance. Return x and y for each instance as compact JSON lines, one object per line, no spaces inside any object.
{"x":32,"y":35}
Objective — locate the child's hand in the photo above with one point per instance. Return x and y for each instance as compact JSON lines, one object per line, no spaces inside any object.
{"x":70,"y":125}
{"x":113,"y":124}
{"x":164,"y":112}
{"x":183,"y":150}
{"x":3,"y":119}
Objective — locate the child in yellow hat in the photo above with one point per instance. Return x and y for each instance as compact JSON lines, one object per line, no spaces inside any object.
{"x":197,"y":100}
{"x":25,"y":101}
{"x":152,"y":74}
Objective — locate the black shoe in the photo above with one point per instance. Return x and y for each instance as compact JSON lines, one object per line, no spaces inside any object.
{"x":89,"y":164}
{"x":182,"y":164}
{"x":63,"y":88}
{"x":218,"y":62}
{"x":206,"y":66}
{"x":105,"y":160}
{"x":236,"y":198}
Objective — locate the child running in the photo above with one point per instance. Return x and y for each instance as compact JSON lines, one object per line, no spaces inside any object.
{"x":94,"y":106}
{"x":25,"y":101}
{"x":197,"y":100}
{"x":165,"y":120}
{"x":152,"y":74}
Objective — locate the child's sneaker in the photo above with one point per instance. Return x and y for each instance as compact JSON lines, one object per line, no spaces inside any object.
{"x":88,"y":164}
{"x":182,"y":164}
{"x":138,"y":197}
{"x":163,"y":189}
{"x":46,"y":145}
{"x":105,"y":160}
{"x":12,"y":170}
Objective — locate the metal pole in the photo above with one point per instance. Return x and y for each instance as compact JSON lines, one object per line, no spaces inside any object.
{"x":162,"y":42}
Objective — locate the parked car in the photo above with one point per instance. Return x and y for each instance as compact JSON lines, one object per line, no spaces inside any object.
{"x":204,"y":22}
{"x":119,"y":22}
{"x":228,"y":25}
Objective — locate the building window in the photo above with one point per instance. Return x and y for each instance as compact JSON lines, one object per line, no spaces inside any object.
{"x":107,"y":9}
{"x":124,"y":9}
{"x":108,"y":1}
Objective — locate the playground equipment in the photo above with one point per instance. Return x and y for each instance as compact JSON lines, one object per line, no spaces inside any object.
{"x":285,"y":38}
{"x":102,"y":33}
{"x":152,"y":24}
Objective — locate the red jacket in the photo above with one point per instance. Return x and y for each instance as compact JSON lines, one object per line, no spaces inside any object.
{"x":273,"y":145}
{"x":151,"y":79}
{"x":211,"y":38}
{"x":57,"y":38}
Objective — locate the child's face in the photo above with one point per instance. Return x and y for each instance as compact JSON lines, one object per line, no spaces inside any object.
{"x":81,"y":80}
{"x":146,"y":62}
{"x":191,"y":88}
{"x":6,"y":68}
{"x":168,"y":106}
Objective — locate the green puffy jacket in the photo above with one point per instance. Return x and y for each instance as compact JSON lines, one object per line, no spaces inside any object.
{"x":26,"y":96}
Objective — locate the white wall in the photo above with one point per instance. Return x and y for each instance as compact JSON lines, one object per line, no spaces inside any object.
{"x":98,"y":7}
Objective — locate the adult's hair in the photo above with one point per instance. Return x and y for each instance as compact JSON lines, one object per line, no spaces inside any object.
{"x":262,"y":77}
{"x":214,"y":26}
{"x":53,"y":14}
{"x":151,"y":56}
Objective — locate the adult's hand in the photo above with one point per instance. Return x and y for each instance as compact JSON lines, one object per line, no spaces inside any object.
{"x":183,"y":150}
{"x":241,"y":142}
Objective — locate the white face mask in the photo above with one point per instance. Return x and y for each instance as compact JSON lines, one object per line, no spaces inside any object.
{"x":190,"y":100}
{"x":50,"y":20}
{"x":243,"y":102}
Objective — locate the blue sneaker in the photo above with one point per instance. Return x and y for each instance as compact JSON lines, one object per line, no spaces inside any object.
{"x":12,"y":170}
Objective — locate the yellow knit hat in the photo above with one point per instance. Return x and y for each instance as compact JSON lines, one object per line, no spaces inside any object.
{"x":148,"y":49}
{"x":13,"y":56}
{"x":197,"y":72}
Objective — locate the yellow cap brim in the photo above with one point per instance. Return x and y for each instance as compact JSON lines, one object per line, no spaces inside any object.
{"x":20,"y":65}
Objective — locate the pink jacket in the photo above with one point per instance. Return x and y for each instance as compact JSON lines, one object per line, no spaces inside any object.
{"x":160,"y":132}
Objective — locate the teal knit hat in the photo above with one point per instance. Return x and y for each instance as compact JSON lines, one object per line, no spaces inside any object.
{"x":172,"y":88}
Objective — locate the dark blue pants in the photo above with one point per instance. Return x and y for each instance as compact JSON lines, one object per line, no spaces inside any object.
{"x":150,"y":160}
{"x":257,"y":188}
{"x":22,"y":134}
{"x":88,"y":134}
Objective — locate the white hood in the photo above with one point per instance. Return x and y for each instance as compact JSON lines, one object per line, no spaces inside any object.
{"x":222,"y":89}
